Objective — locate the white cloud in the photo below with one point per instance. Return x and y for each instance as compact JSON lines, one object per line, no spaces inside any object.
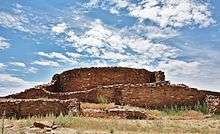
{"x":153,"y":32}
{"x":59,"y":28}
{"x":14,"y":21}
{"x":114,"y":11}
{"x":4,"y":43}
{"x":46,"y":63}
{"x":107,"y":43}
{"x":93,"y":3}
{"x":18,"y":64}
{"x":23,"y":19}
{"x":32,"y":70}
{"x":177,"y":67}
{"x":10,"y":84}
{"x":199,"y":74}
{"x":174,"y":13}
{"x":73,"y":55}
{"x":2,"y":65}
{"x":55,"y":55}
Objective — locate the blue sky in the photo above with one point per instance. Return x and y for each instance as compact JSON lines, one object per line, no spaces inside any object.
{"x":39,"y":38}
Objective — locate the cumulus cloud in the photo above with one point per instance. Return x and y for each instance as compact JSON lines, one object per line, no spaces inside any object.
{"x":176,"y":13}
{"x":59,"y":28}
{"x":4,"y":43}
{"x":114,"y":46}
{"x":107,"y":43}
{"x":11,"y":84}
{"x":177,"y":67}
{"x":46,"y":63}
{"x":200,"y":74}
{"x":18,"y":64}
{"x":166,"y":13}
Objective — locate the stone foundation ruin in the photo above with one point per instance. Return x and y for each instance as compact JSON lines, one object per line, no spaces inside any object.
{"x":36,"y":107}
{"x":122,"y":86}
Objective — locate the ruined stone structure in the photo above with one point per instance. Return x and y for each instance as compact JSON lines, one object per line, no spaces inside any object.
{"x":87,"y":78}
{"x":122,"y":86}
{"x":30,"y":107}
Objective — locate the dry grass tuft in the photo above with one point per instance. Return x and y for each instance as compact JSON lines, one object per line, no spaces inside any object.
{"x":192,"y":114}
{"x":154,"y":114}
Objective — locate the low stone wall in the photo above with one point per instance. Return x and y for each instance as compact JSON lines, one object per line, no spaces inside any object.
{"x":119,"y":113}
{"x":161,"y":96}
{"x":147,"y":95}
{"x":41,"y":107}
{"x":34,"y":93}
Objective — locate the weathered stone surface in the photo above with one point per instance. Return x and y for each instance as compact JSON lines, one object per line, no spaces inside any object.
{"x":87,"y":78}
{"x":123,"y":86}
{"x":42,"y":107}
{"x":147,"y":95}
{"x":120,"y":113}
{"x":159,"y":76}
{"x":213,"y":103}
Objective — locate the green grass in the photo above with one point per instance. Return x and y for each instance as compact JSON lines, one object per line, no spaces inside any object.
{"x":175,"y":110}
{"x":201,"y":107}
{"x":102,"y":100}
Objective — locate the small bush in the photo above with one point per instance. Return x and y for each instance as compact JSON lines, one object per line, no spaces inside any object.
{"x":174,"y":110}
{"x":64,"y":121}
{"x":201,"y":107}
{"x":102,"y":100}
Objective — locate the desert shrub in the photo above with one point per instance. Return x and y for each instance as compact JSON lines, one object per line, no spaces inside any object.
{"x":102,"y":100}
{"x":174,"y":110}
{"x":201,"y":107}
{"x":64,"y":121}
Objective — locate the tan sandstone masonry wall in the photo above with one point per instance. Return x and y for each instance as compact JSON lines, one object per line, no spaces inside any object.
{"x":87,"y":78}
{"x":29,"y":107}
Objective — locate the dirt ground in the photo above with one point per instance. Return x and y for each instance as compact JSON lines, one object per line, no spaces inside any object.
{"x":82,"y":125}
